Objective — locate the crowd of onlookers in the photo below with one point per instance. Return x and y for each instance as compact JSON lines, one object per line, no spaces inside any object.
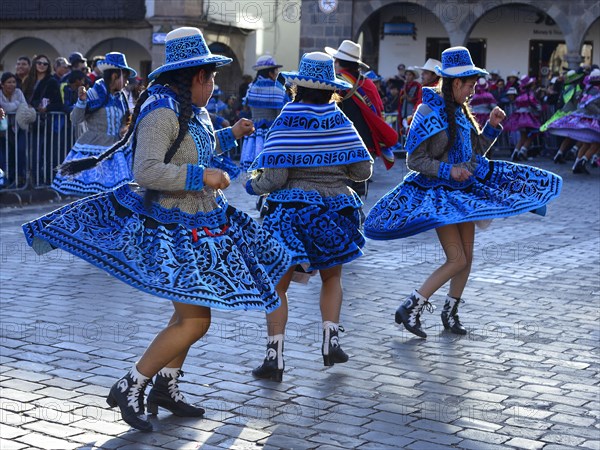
{"x":46,"y":85}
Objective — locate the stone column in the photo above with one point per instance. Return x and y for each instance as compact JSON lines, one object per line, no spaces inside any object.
{"x":574,"y":59}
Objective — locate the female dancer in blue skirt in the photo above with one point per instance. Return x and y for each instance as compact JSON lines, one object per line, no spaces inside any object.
{"x":105,"y":111}
{"x":310,"y":152}
{"x":172,"y":234}
{"x":452,"y":185}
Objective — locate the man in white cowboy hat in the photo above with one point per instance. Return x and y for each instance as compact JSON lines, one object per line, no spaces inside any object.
{"x":362,"y":104}
{"x":428,"y":76}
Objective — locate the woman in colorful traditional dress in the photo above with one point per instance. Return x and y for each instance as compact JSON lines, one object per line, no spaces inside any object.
{"x":310,"y":152}
{"x":583,"y":124}
{"x":525,"y":119}
{"x":452,"y":185}
{"x":265,"y":98}
{"x":482,"y":103}
{"x":173,"y":233}
{"x":105,"y":111}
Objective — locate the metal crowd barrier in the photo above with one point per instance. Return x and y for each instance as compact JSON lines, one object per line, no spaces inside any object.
{"x":29,"y":157}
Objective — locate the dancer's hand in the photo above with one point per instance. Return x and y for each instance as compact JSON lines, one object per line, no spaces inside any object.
{"x":82,"y":93}
{"x":496,"y":116}
{"x":216,"y":178}
{"x":459,"y":173}
{"x":243,"y":127}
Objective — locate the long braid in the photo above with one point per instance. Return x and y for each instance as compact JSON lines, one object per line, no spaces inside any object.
{"x":467,"y":110}
{"x":182,"y":81}
{"x":450,"y":108}
{"x":79,"y":165}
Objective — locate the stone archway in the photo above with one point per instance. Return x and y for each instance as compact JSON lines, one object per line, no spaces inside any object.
{"x":400,"y":32}
{"x":27,"y":46}
{"x":137,"y":55}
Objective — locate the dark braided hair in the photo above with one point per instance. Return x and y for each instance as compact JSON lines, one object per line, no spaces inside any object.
{"x":181,"y":80}
{"x":266,"y":73}
{"x":450,"y":108}
{"x":311,"y":95}
{"x":107,"y":77}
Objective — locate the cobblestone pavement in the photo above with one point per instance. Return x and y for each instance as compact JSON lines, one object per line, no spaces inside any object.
{"x":525,"y":376}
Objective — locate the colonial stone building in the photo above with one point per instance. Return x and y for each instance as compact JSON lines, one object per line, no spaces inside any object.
{"x":240,"y":30}
{"x":530,"y":36}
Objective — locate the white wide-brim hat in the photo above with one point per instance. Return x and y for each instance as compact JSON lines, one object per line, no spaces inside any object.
{"x":185,"y":47}
{"x":347,"y":51}
{"x":414,"y":69}
{"x":457,"y":63}
{"x":430,"y":65}
{"x":316,"y":71}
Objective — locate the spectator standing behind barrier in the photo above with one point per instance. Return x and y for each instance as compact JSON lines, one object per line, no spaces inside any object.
{"x":451,"y":186}
{"x":22,"y":69}
{"x":41,"y":90}
{"x":428,"y":76}
{"x":105,"y":110}
{"x":61,"y":69}
{"x":13,"y":142}
{"x":69,"y":91}
{"x":96,"y":73}
{"x":410,"y":97}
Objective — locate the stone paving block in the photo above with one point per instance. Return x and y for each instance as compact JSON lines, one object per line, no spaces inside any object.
{"x":53,"y":429}
{"x":571,"y":441}
{"x":112,"y":429}
{"x":483,"y":436}
{"x":10,"y":444}
{"x":426,"y":445}
{"x":573,"y":420}
{"x":525,"y":443}
{"x":591,"y":444}
{"x":380,"y":440}
{"x":559,"y":447}
{"x":95,"y":441}
{"x":436,"y":438}
{"x":478,"y":445}
{"x":46,"y":442}
{"x":9,"y":432}
{"x":522,"y":432}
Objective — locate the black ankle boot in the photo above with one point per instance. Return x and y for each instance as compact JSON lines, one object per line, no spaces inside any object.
{"x":409,"y":313}
{"x":559,"y":158}
{"x":581,"y":167}
{"x":273,"y":364}
{"x":516,"y":155}
{"x":331,"y":350}
{"x":128,"y":395}
{"x":450,"y":315}
{"x":165,"y":393}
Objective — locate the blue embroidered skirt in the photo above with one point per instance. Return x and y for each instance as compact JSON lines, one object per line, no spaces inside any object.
{"x":110,"y":173}
{"x":319,"y":232}
{"x":221,"y":259}
{"x":496,"y":189}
